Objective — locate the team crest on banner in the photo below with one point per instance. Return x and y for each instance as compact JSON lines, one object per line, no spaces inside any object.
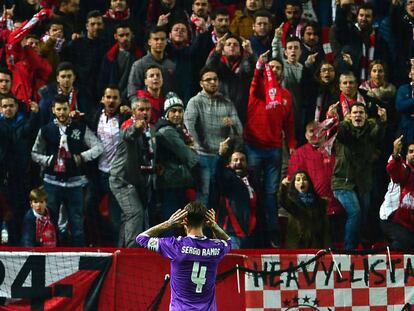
{"x":333,"y":282}
{"x":272,"y":93}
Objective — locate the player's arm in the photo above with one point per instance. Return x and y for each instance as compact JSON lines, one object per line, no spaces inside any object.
{"x":176,"y":219}
{"x":211,"y":222}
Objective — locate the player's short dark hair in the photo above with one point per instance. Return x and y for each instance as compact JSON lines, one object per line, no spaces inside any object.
{"x":196,"y":213}
{"x":60,"y":99}
{"x":219,"y":11}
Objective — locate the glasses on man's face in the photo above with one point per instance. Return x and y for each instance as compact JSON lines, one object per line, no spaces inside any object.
{"x":210,"y":80}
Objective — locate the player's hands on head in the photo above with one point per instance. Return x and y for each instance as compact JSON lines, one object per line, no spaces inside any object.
{"x":178,"y":218}
{"x":211,"y":218}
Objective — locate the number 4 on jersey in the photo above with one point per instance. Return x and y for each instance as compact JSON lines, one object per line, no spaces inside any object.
{"x":198,"y":276}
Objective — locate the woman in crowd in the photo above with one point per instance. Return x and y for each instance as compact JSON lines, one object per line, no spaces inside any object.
{"x":307,"y":225}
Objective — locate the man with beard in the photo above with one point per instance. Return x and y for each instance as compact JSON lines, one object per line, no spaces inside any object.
{"x":237,"y":214}
{"x":65,"y":79}
{"x":352,"y":178}
{"x":359,"y":42}
{"x":106,"y":124}
{"x":200,"y":21}
{"x":86,"y":54}
{"x":210,"y":117}
{"x":261,"y":40}
{"x":61,"y":148}
{"x":312,"y":50}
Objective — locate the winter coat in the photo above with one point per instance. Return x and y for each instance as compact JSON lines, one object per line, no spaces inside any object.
{"x":354,"y":155}
{"x":308,"y":226}
{"x":174,"y":157}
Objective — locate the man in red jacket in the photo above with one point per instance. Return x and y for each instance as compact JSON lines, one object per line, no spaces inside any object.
{"x":269,"y":115}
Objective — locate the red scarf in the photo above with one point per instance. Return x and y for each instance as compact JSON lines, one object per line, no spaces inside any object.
{"x":45,"y":230}
{"x":347,"y":103}
{"x":252,"y":216}
{"x":118,"y":16}
{"x":234,"y":67}
{"x":273,"y":89}
{"x":326,"y":44}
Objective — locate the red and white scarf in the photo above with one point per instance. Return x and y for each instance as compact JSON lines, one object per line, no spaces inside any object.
{"x":45,"y":230}
{"x":273,"y":89}
{"x":252,"y":215}
{"x":287,"y":26}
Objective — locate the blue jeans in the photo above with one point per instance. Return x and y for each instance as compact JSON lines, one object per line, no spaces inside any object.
{"x":350,"y":202}
{"x":72,"y":197}
{"x":267,"y":162}
{"x":207,"y":189}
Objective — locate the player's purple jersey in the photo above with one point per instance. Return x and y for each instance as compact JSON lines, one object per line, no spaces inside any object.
{"x":194,"y":262}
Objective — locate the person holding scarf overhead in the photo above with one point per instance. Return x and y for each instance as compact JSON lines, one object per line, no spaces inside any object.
{"x":269,"y":115}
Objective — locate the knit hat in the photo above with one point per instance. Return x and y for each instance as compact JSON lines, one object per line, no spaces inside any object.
{"x":172,"y":100}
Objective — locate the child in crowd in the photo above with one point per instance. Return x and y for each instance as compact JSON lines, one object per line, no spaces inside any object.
{"x":38,"y":228}
{"x":307,"y":221}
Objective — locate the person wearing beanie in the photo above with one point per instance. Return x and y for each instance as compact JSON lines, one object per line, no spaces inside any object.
{"x":175,"y":157}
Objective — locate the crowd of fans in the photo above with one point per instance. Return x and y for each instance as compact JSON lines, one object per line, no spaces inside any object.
{"x":293,"y":119}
